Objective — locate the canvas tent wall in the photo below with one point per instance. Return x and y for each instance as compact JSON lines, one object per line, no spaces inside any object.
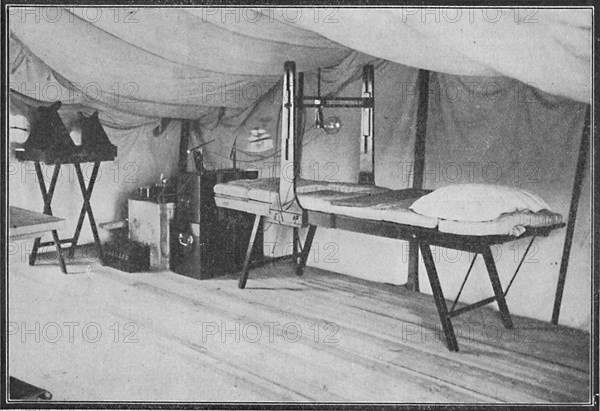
{"x":508,"y":94}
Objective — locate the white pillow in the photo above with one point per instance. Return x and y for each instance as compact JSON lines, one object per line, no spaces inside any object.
{"x":476,"y":202}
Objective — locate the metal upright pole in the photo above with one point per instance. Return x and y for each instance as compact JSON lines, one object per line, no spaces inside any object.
{"x":579,"y":170}
{"x":412,"y":282}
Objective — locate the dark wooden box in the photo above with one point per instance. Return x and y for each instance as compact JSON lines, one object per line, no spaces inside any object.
{"x":127,"y":255}
{"x":208,"y":241}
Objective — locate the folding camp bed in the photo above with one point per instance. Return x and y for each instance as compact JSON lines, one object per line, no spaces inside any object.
{"x":373,"y":210}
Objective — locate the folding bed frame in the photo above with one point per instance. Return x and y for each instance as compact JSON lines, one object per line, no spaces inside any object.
{"x":372,"y":210}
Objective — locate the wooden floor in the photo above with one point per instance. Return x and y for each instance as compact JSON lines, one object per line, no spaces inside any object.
{"x":98,"y":334}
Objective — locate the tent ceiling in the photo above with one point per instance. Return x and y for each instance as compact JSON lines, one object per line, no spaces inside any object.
{"x":178,"y":62}
{"x":546,"y":48}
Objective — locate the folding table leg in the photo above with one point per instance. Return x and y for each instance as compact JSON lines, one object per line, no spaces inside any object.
{"x":42,"y":184}
{"x":59,"y":252}
{"x":77,"y":232}
{"x":310,"y":235}
{"x":47,"y":195}
{"x":95,"y":234}
{"x":83,"y":211}
{"x":86,"y":208}
{"x":497,"y":286}
{"x":295,"y":242}
{"x":34,"y":251}
{"x":438,"y":296}
{"x":257,"y":225}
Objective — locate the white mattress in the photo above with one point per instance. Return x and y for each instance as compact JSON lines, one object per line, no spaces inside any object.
{"x":241,"y":188}
{"x":266,"y":189}
{"x":322,"y":195}
{"x":379,"y":204}
{"x":507,"y":224}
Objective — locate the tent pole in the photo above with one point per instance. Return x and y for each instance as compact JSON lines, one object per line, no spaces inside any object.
{"x":412,"y":282}
{"x":562,"y":276}
{"x":183,"y":145}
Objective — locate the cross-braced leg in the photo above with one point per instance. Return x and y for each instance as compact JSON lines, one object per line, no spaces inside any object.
{"x":47,"y":195}
{"x":86,"y":208}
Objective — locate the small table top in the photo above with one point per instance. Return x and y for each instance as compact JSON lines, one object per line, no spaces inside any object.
{"x":30,"y":224}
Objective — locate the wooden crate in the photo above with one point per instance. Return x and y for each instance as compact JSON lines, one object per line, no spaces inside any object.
{"x":149,"y":223}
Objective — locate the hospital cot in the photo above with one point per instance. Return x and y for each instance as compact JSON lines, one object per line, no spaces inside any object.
{"x":368,"y":209}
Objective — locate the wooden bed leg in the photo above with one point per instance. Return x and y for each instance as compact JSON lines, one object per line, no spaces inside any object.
{"x":488,"y":257}
{"x":412,"y":282}
{"x":438,"y":296}
{"x":306,"y":249}
{"x":255,"y":228}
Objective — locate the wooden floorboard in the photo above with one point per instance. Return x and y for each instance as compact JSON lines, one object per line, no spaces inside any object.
{"x":375,"y":342}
